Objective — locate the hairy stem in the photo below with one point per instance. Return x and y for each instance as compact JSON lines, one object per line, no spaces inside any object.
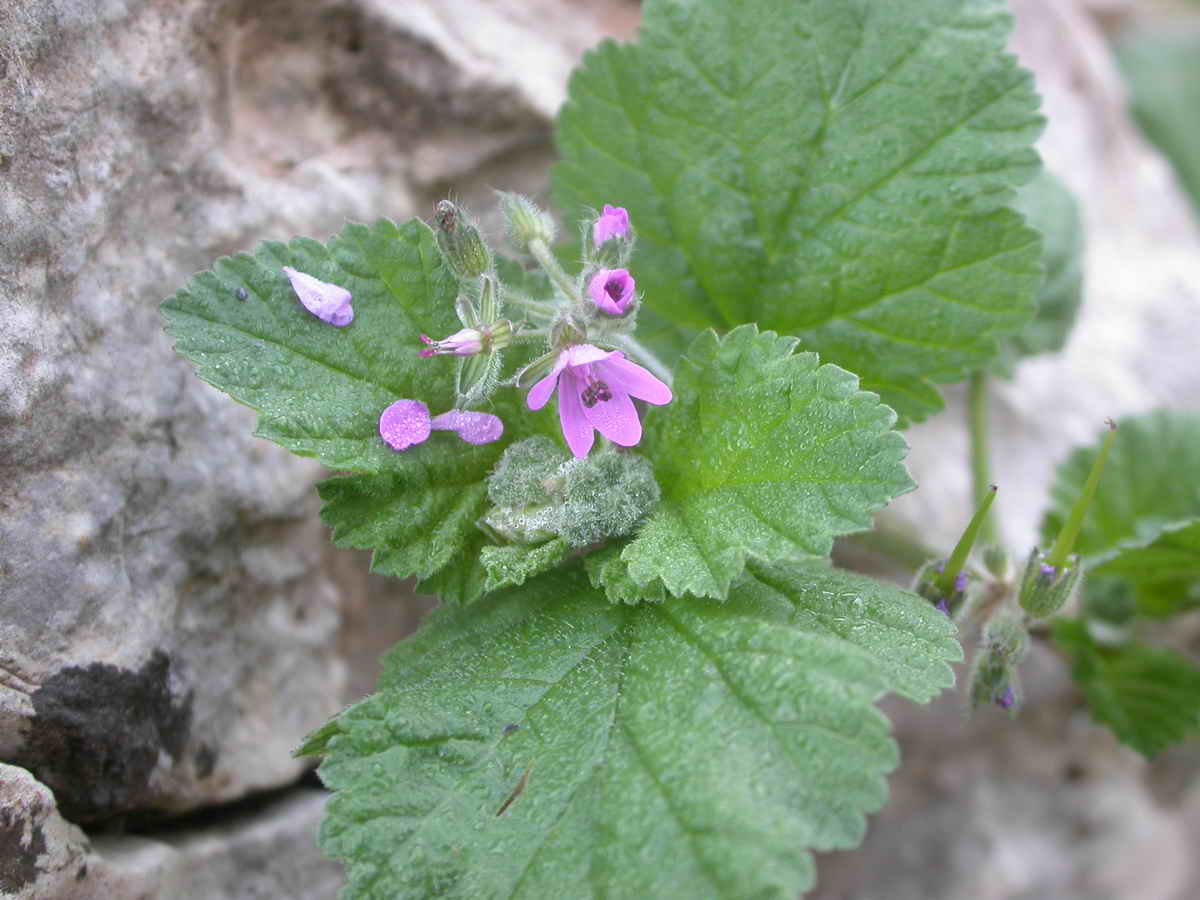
{"x":550,"y":266}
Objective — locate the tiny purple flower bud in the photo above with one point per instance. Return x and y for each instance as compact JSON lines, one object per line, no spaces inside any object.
{"x":612,"y":291}
{"x":404,"y":424}
{"x":1048,"y":571}
{"x":960,"y":582}
{"x":613,"y":222}
{"x":944,"y":605}
{"x":1006,"y":699}
{"x":326,"y":301}
{"x":466,"y":342}
{"x":472,"y":427}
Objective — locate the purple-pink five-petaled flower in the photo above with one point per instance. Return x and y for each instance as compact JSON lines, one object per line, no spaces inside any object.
{"x":613,"y":222}
{"x":612,"y":291}
{"x":406,"y":423}
{"x":328,"y":302}
{"x":594,"y":387}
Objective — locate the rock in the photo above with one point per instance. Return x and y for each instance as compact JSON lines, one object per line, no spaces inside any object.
{"x":170,"y":623}
{"x":266,"y":848}
{"x":40,"y":854}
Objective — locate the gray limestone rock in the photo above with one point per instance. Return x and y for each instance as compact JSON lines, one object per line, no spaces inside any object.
{"x":171,"y":620}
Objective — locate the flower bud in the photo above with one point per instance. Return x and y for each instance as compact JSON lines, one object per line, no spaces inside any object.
{"x":612,"y":223}
{"x":929,"y":584}
{"x":612,"y":290}
{"x":994,"y":676}
{"x":459,"y":240}
{"x":995,"y":560}
{"x":521,"y":473}
{"x":1045,"y":588}
{"x":608,"y":494}
{"x":526,"y":222}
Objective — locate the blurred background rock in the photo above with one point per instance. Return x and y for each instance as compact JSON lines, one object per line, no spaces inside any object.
{"x":172,"y":617}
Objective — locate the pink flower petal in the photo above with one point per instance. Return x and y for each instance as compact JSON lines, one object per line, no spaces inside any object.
{"x":472,"y":427}
{"x":328,"y":302}
{"x":582,"y":354}
{"x":404,"y":423}
{"x":540,"y":393}
{"x":575,"y":425}
{"x":632,"y":379}
{"x":616,"y":418}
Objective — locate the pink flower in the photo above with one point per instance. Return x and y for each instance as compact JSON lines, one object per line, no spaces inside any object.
{"x":612,"y":291}
{"x":613,"y":222}
{"x":594,"y":387}
{"x":466,"y":342}
{"x":326,"y":301}
{"x":406,"y":423}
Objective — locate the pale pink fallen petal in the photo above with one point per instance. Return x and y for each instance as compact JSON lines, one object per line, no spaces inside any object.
{"x":472,"y":427}
{"x":404,"y":423}
{"x":328,"y":302}
{"x":576,"y":428}
{"x":631,"y":378}
{"x":615,"y":418}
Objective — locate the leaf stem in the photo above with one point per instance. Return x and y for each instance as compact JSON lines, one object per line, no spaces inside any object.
{"x":660,"y":369}
{"x":977,"y":431}
{"x":1066,"y":538}
{"x":550,"y":266}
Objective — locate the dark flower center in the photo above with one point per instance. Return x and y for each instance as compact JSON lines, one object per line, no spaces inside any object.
{"x":595,"y":392}
{"x":614,"y":289}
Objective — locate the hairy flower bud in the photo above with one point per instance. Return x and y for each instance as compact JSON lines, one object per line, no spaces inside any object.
{"x":526,"y":223}
{"x":994,"y":676}
{"x":1045,"y":588}
{"x":608,"y":494}
{"x":460,"y":242}
{"x":522,"y":472}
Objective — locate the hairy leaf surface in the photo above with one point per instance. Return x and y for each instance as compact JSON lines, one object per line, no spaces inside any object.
{"x":547,"y":743}
{"x":836,"y":169}
{"x":320,"y":390}
{"x":763,"y":453}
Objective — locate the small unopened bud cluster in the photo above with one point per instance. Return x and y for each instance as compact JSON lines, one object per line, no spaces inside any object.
{"x":539,"y":492}
{"x":994,"y":677}
{"x":1046,"y":588}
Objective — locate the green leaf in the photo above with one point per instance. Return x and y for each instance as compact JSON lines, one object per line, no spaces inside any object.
{"x":763,"y":453}
{"x":682,"y":749}
{"x":1162,"y":70}
{"x":835,"y":169}
{"x":1144,"y":522}
{"x":609,"y":573}
{"x":1149,"y":697}
{"x":320,"y":390}
{"x":513,"y":565}
{"x":1050,"y":207}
